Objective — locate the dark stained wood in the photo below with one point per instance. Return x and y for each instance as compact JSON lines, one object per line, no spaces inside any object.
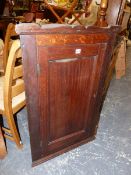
{"x":65,"y":68}
{"x":2,"y":6}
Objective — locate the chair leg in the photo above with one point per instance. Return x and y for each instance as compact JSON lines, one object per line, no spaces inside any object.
{"x":1,"y":120}
{"x":14,"y":131}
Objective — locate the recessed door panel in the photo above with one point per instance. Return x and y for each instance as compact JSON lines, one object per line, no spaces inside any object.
{"x":69,"y":95}
{"x":69,"y":84}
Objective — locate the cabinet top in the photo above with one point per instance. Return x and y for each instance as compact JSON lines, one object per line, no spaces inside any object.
{"x":33,"y":28}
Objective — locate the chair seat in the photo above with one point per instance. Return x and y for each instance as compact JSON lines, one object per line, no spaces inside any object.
{"x":16,"y":101}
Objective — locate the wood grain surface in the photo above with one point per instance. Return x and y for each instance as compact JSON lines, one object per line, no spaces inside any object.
{"x":65,"y":69}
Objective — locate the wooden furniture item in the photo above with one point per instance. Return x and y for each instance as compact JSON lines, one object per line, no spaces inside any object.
{"x":114,"y":17}
{"x":68,"y":11}
{"x":64,"y":72}
{"x":115,"y":11}
{"x":12,"y":95}
{"x":111,"y":12}
{"x":8,"y":41}
{"x":1,"y":55}
{"x":120,"y":66}
{"x":2,"y":6}
{"x":117,"y":14}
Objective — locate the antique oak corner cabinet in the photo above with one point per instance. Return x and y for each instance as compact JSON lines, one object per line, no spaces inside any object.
{"x":64,"y":71}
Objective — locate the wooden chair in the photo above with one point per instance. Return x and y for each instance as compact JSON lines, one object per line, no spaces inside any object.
{"x":67,"y":12}
{"x":12,"y":94}
{"x":71,"y":11}
{"x":10,"y":32}
{"x":1,"y":55}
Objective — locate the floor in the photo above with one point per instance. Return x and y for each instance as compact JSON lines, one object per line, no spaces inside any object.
{"x":108,"y":154}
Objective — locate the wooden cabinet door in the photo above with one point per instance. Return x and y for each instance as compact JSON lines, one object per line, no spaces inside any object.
{"x":64,"y":72}
{"x":68,"y":84}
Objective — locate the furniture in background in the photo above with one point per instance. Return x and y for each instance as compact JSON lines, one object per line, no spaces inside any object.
{"x":55,"y":11}
{"x":64,"y":72}
{"x":4,"y":22}
{"x":125,"y":18}
{"x":115,"y":12}
{"x":118,"y":14}
{"x":3,"y":151}
{"x":69,"y":10}
{"x":1,"y":55}
{"x":111,"y":13}
{"x":10,"y":35}
{"x":120,"y":66}
{"x":12,"y":94}
{"x":2,"y":6}
{"x":114,"y":17}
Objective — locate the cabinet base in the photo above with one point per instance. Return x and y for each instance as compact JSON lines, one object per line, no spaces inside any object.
{"x":46,"y":158}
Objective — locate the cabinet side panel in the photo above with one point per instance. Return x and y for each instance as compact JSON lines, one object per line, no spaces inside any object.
{"x":29,"y":55}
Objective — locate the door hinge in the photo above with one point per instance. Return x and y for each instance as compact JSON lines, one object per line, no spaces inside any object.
{"x":38,"y":69}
